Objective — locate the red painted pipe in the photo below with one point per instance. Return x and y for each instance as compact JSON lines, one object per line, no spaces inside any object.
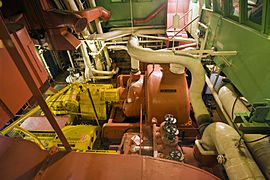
{"x":57,"y":18}
{"x":152,"y":15}
{"x":94,"y":13}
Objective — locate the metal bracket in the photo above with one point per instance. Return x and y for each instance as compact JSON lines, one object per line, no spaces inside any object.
{"x":244,"y":124}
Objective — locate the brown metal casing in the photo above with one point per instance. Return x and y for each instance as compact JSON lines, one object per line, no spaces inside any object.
{"x":115,"y":130}
{"x":166,"y":93}
{"x":14,"y":92}
{"x":21,"y":159}
{"x":131,"y":93}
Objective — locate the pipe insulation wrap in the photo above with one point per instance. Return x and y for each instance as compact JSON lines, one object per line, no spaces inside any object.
{"x":135,"y":64}
{"x":177,"y":68}
{"x":228,"y":99}
{"x":124,"y":32}
{"x":166,"y":56}
{"x":259,"y":149}
{"x":238,"y":163}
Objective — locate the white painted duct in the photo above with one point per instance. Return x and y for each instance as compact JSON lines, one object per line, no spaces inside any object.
{"x":228,"y":100}
{"x":135,"y":64}
{"x":121,"y":33}
{"x":166,"y":56}
{"x":236,"y":160}
{"x":259,"y":149}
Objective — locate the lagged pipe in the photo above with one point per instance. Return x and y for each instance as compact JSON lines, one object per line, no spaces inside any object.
{"x":235,"y":157}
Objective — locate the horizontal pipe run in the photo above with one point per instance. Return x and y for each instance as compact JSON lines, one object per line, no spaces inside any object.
{"x":121,"y":33}
{"x":138,"y":27}
{"x":181,"y":39}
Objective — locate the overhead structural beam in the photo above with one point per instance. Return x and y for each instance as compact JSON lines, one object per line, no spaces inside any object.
{"x":13,"y":52}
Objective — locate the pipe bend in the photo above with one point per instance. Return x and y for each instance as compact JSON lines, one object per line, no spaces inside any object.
{"x":94,"y":13}
{"x":166,"y":56}
{"x":110,"y":73}
{"x":238,"y":163}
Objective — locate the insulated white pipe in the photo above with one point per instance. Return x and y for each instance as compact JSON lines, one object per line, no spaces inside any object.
{"x":177,"y":68}
{"x":110,"y":73}
{"x":181,"y":39}
{"x":121,"y":33}
{"x":138,"y":27}
{"x":166,"y":56}
{"x":236,"y":160}
{"x":117,"y":47}
{"x":100,"y":31}
{"x":135,"y":64}
{"x":89,"y":69}
{"x":259,"y":149}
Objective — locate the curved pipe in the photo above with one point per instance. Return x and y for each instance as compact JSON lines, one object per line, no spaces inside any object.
{"x":236,"y":160}
{"x":113,"y":72}
{"x":89,"y":69}
{"x":152,"y":15}
{"x":94,"y":13}
{"x":165,"y":56}
{"x":259,"y":149}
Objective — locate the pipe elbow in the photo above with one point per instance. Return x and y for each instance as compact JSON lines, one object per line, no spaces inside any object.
{"x":238,"y":161}
{"x":94,"y":13}
{"x":105,"y":14}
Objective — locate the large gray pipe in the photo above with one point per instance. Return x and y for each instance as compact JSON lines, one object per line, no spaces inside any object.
{"x":236,"y":160}
{"x":194,"y":65}
{"x":259,"y":149}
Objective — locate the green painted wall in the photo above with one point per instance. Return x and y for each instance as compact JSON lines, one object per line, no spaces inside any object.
{"x":141,"y":9}
{"x":250,"y":69}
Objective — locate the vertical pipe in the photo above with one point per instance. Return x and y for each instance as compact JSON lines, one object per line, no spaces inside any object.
{"x":45,"y":63}
{"x":8,"y":43}
{"x":100,"y":31}
{"x":141,"y":133}
{"x":70,"y":59}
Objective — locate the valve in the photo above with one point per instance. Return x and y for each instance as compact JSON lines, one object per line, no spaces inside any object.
{"x":176,"y":155}
{"x":171,"y":132}
{"x":170,"y":127}
{"x":170,"y":119}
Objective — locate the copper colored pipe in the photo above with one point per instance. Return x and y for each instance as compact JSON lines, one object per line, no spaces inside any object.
{"x":94,"y":13}
{"x":152,"y":15}
{"x":59,"y":18}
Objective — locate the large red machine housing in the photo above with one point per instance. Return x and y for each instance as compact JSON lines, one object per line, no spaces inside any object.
{"x":165,"y":93}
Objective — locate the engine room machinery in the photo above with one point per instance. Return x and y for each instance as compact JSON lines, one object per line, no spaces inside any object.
{"x":117,"y":89}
